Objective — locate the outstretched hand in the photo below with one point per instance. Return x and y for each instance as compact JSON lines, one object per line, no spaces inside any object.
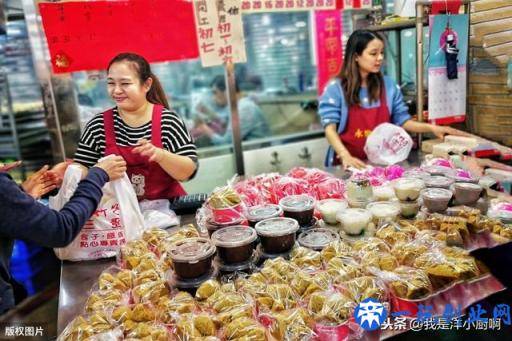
{"x":40,"y":183}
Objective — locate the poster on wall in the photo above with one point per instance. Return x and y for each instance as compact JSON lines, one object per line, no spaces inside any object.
{"x":220,"y":32}
{"x":447,"y":68}
{"x":328,"y":46}
{"x":87,"y":35}
{"x":258,"y":6}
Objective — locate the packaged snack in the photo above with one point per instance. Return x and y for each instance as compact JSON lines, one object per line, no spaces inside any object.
{"x":408,"y":189}
{"x":305,"y":258}
{"x":354,"y":220}
{"x":258,"y":213}
{"x":277,"y":235}
{"x":192,"y":257}
{"x":235,"y":244}
{"x":298,"y":207}
{"x":336,"y":249}
{"x":328,"y":208}
{"x":436,"y":199}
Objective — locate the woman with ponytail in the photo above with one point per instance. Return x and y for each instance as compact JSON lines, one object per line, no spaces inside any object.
{"x":360,"y":98}
{"x":141,"y":128}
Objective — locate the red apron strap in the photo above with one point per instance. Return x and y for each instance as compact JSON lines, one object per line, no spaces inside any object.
{"x":156,"y":125}
{"x":110,"y":134}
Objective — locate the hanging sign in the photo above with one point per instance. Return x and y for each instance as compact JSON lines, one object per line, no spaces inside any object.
{"x":257,"y":6}
{"x":328,"y":46}
{"x":87,"y":35}
{"x":220,"y":33}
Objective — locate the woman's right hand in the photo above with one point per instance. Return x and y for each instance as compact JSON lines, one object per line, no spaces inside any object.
{"x":348,"y":160}
{"x":114,"y":167}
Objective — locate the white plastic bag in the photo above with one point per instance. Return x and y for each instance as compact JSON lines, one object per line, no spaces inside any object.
{"x":116,"y":221}
{"x":388,"y":144}
{"x":157,"y":213}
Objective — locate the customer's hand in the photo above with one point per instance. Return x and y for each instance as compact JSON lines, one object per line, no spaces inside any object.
{"x":441,"y":131}
{"x":114,"y":166}
{"x":348,"y":160}
{"x":58,"y":171}
{"x":39,"y":183}
{"x":146,"y":148}
{"x":5,"y":167}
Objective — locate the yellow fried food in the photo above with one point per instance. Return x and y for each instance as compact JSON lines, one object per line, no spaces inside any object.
{"x":370,"y":244}
{"x":150,"y":331}
{"x":207,"y":289}
{"x":410,"y":283}
{"x":79,"y":329}
{"x":234,"y":313}
{"x":147,"y":276}
{"x":205,"y":325}
{"x":337,"y":308}
{"x":342,"y":269}
{"x":361,"y":288}
{"x":303,"y":258}
{"x":142,"y":313}
{"x":154,"y":235}
{"x":245,"y":328}
{"x":226,"y":301}
{"x":121,"y":314}
{"x":335,"y":249}
{"x":150,"y":291}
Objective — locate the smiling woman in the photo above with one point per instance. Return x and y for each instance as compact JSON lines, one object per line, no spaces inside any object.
{"x":151,"y":138}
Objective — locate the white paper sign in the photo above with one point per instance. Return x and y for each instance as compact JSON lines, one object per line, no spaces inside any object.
{"x":258,"y":6}
{"x":446,"y":97}
{"x":220,"y":33}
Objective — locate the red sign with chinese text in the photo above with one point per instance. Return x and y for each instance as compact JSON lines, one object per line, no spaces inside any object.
{"x":328,"y":46}
{"x":87,"y":35}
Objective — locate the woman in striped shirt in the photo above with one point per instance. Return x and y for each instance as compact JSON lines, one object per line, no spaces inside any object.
{"x":152,"y":139}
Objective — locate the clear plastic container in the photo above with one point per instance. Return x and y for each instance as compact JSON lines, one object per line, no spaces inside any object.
{"x":277,"y":235}
{"x":329,"y":207}
{"x":299,"y":207}
{"x":409,"y":209}
{"x":192,"y":257}
{"x":438,"y":181}
{"x":467,"y":193}
{"x":258,"y":213}
{"x":439,"y":170}
{"x":359,"y":190}
{"x":235,"y":244}
{"x":384,"y":211}
{"x":436,"y":199}
{"x":354,"y":220}
{"x":383,"y":193}
{"x":317,"y":238}
{"x":408,"y":189}
{"x":415,"y":173}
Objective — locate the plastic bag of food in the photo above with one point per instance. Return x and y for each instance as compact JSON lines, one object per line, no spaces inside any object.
{"x":148,"y":331}
{"x":331,"y":188}
{"x":370,"y":244}
{"x":361,"y":288}
{"x":336,"y":249}
{"x":102,"y":299}
{"x":380,"y":260}
{"x":406,"y":282}
{"x":331,"y":307}
{"x":295,"y":324}
{"x":245,"y":328}
{"x":250,"y":194}
{"x":170,"y":308}
{"x":225,"y":204}
{"x":150,"y":291}
{"x":306,"y":258}
{"x":392,"y":233}
{"x":303,"y":284}
{"x":92,"y":328}
{"x":388,"y":144}
{"x":115,"y":278}
{"x":131,"y":254}
{"x":286,"y":186}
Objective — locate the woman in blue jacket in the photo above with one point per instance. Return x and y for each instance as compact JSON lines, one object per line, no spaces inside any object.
{"x":360,"y":98}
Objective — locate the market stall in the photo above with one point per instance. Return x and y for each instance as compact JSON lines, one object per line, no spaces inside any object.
{"x":398,"y":243}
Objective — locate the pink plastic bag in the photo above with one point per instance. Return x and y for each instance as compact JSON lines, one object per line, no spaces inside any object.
{"x":388,"y":144}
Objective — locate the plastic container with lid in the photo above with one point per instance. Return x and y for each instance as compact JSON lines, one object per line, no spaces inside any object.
{"x":408,"y":189}
{"x":439,"y":170}
{"x":359,"y":190}
{"x":299,"y":207}
{"x":235,"y":244}
{"x":383,"y":193}
{"x":213,"y":226}
{"x":354,"y":220}
{"x":436,"y":199}
{"x":329,"y":207}
{"x":192,"y":257}
{"x":277,"y":235}
{"x":262,"y":212}
{"x":438,"y":181}
{"x":409,"y":209}
{"x":317,"y":238}
{"x":467,"y":193}
{"x":415,"y":173}
{"x":384,"y":211}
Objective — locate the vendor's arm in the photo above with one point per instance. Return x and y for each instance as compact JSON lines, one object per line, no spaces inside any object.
{"x":89,"y":149}
{"x":24,"y":218}
{"x":439,"y":131}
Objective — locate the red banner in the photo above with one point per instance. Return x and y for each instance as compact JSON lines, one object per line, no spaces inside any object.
{"x":87,"y":35}
{"x":328,"y":46}
{"x":446,"y":6}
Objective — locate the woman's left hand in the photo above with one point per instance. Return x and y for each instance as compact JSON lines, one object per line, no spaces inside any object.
{"x":441,"y":131}
{"x":147,"y":149}
{"x":39,"y":183}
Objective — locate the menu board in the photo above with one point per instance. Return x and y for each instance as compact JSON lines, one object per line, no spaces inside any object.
{"x":87,"y":35}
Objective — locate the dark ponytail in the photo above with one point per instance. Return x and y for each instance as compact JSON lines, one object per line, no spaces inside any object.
{"x":156,"y":94}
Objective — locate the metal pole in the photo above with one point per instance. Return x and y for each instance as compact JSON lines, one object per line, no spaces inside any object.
{"x":419,"y":66}
{"x":229,"y":75}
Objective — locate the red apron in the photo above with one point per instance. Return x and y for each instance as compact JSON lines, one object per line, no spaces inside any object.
{"x":360,"y":123}
{"x":149,"y":180}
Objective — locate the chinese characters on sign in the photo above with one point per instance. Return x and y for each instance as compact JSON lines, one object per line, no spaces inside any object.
{"x":329,"y":49}
{"x":255,"y":6}
{"x":220,"y":32}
